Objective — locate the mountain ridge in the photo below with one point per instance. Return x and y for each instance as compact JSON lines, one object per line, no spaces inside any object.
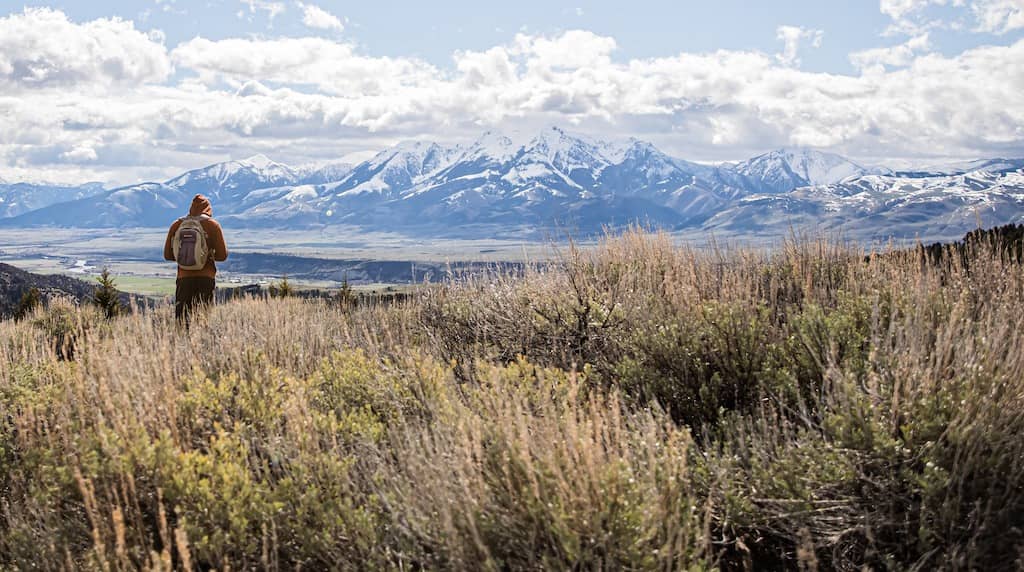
{"x":561,"y":179}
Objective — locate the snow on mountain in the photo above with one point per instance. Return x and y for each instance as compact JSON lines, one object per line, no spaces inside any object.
{"x":880,"y":206}
{"x":555,"y":177}
{"x":20,"y":198}
{"x":232,"y":179}
{"x":491,"y":145}
{"x":394,"y":169}
{"x":568,"y":153}
{"x":961,"y":167}
{"x":326,"y":173}
{"x":788,"y":168}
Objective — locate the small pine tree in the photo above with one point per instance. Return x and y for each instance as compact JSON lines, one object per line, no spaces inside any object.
{"x":30,"y":300}
{"x":346,"y":296}
{"x":282,"y":289}
{"x":105,"y":295}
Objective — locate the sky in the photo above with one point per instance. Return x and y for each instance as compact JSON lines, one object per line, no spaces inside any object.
{"x":123,"y":91}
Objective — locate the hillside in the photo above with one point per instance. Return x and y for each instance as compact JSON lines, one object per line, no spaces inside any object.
{"x":14,"y":282}
{"x":639,"y":405}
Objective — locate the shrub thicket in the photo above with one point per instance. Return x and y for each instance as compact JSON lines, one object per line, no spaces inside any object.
{"x":637,"y":405}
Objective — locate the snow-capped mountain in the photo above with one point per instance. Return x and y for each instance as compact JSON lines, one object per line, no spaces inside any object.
{"x":20,"y":198}
{"x":560,"y":179}
{"x":882,"y":206}
{"x":959,"y":168}
{"x":324,"y":173}
{"x":232,"y":180}
{"x":783,"y":170}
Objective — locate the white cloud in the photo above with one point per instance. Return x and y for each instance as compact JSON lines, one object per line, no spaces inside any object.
{"x":909,"y":17}
{"x":316,"y":17}
{"x":792,"y":37}
{"x":998,"y":16}
{"x":307,"y":99}
{"x":273,"y":9}
{"x":80,"y":153}
{"x":41,"y":48}
{"x":332,"y":66}
{"x":990,"y":16}
{"x":876,"y":59}
{"x":572,"y":49}
{"x":900,"y":9}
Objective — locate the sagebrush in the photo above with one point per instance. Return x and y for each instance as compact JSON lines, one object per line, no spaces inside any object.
{"x":637,"y":405}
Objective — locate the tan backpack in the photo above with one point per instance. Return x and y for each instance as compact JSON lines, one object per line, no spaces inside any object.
{"x":191,"y":249}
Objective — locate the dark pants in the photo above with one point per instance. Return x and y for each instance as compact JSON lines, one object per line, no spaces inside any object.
{"x":190,"y":294}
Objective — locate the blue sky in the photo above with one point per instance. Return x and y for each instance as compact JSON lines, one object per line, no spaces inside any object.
{"x":123,"y":91}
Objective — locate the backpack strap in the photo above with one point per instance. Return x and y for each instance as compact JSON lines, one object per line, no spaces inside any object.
{"x":200,"y":218}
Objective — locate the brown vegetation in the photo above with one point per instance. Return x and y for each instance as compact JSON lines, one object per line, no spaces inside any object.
{"x":635,"y":406}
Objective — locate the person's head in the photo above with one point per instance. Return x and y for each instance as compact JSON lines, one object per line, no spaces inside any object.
{"x":200,"y":206}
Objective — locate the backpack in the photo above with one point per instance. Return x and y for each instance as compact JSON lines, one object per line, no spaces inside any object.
{"x":191,"y":250}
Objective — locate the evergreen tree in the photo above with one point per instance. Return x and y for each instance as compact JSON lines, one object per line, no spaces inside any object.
{"x":346,"y":296}
{"x":105,"y":296}
{"x":282,"y":289}
{"x":30,"y":300}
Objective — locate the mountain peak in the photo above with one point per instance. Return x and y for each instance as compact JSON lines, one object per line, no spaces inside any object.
{"x":416,"y":150}
{"x":789,"y":167}
{"x":492,"y":144}
{"x":252,"y":172}
{"x":557,"y":140}
{"x":258,"y":161}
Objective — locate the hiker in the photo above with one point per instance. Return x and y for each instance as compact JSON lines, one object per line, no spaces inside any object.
{"x":195,"y":242}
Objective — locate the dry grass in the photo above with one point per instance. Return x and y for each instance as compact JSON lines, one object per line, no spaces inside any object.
{"x":638,"y":405}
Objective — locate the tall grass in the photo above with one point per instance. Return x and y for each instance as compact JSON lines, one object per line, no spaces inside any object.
{"x":638,"y":405}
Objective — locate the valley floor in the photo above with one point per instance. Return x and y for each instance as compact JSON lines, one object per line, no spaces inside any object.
{"x":311,"y":259}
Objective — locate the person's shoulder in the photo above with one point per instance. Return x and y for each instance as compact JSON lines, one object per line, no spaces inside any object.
{"x":211,"y":222}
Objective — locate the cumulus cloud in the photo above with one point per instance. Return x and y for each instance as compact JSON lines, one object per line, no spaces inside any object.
{"x":303,"y":99}
{"x":571,"y":50}
{"x":895,"y":56}
{"x":41,"y":48}
{"x":899,"y":9}
{"x":998,"y":16}
{"x":722,"y":98}
{"x":80,"y":153}
{"x":990,"y":16}
{"x":314,"y":16}
{"x":909,"y":16}
{"x":792,"y":37}
{"x":333,"y":66}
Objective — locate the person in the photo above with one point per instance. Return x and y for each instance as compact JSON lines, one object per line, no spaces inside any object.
{"x":194,"y":287}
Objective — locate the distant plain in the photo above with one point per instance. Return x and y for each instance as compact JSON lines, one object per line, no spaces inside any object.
{"x":135,"y":256}
{"x":321,"y":258}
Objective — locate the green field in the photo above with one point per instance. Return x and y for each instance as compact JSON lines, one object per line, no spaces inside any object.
{"x":148,"y":286}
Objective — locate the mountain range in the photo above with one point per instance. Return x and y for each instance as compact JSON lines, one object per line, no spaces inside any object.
{"x":556,"y":180}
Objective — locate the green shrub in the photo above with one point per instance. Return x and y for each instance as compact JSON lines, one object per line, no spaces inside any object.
{"x":846,"y":412}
